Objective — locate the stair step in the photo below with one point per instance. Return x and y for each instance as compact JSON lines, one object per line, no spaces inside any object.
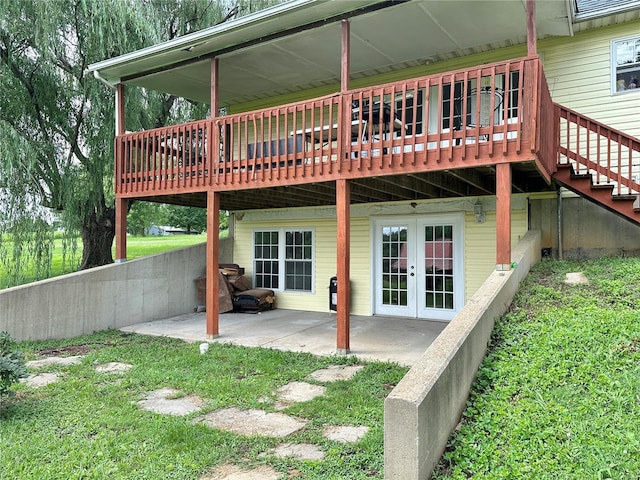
{"x":625,"y":198}
{"x":603,"y":186}
{"x":581,"y":176}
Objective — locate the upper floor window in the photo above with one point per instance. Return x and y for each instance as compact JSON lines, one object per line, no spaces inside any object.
{"x":625,"y":64}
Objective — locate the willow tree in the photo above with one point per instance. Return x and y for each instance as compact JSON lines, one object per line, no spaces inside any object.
{"x":57,"y":125}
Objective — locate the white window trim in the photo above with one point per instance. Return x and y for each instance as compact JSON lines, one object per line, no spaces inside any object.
{"x":282,"y":231}
{"x":613,"y":65}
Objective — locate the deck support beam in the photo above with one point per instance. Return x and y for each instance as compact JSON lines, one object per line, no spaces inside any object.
{"x":343,"y":213}
{"x":213,"y":249}
{"x":503,"y":216}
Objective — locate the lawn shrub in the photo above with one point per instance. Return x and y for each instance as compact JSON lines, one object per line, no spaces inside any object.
{"x":12,"y":366}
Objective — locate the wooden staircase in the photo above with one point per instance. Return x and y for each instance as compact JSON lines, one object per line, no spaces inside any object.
{"x":599,"y":163}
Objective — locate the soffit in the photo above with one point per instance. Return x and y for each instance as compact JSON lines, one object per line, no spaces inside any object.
{"x":398,"y":35}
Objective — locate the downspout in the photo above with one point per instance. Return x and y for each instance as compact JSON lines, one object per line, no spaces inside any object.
{"x":97,"y":76}
{"x":560,"y":253}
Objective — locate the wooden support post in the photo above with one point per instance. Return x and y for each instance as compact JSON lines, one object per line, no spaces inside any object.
{"x":121,"y":229}
{"x":215,"y":100}
{"x":213,"y":130}
{"x":345,"y":64}
{"x":213,"y":249}
{"x":120,"y":125}
{"x":531,"y":28}
{"x":343,"y":206}
{"x":503,"y":216}
{"x":121,"y":203}
{"x":345,"y":105}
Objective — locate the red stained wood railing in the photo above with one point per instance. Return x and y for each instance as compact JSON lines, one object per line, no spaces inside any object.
{"x":163,"y":159}
{"x":609,"y":155}
{"x":487,"y":114}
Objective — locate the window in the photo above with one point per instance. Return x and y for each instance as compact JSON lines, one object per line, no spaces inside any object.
{"x":266,"y":264}
{"x":625,"y":64}
{"x":283,"y":259}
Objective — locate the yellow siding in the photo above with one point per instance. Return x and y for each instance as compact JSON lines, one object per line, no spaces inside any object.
{"x":480,"y":254}
{"x":578,"y":70}
{"x":325,"y":261}
{"x":480,"y":246}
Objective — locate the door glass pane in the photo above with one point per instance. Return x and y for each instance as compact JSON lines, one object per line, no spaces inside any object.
{"x":394,"y":266}
{"x":438,"y":266}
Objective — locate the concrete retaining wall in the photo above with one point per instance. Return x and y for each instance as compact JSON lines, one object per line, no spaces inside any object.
{"x":588,"y":230}
{"x":140,"y":290}
{"x":425,"y":407}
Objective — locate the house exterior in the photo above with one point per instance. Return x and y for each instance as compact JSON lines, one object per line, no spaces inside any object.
{"x":394,"y":145}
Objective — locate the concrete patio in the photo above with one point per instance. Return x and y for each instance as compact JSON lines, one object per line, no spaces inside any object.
{"x":399,"y":340}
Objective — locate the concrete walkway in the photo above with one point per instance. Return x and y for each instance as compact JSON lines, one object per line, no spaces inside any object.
{"x":391,"y":339}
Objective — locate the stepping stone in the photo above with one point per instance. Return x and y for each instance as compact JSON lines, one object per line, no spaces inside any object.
{"x":113,"y":367}
{"x":335,"y":372}
{"x":252,"y":422}
{"x":299,"y":451}
{"x":158,"y":401}
{"x":297,"y":392}
{"x":55,"y":361}
{"x":576,"y":278}
{"x":40,"y":380}
{"x":231,"y":472}
{"x":345,"y":434}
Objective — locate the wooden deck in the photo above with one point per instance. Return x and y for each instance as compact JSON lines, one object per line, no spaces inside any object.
{"x":478,"y":117}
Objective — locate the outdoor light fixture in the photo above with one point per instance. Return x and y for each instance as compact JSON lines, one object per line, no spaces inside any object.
{"x":479,"y":212}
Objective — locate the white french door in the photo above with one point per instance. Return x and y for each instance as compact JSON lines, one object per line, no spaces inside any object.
{"x":418,"y":266}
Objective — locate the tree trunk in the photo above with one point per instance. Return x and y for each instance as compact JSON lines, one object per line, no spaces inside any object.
{"x":98,"y":231}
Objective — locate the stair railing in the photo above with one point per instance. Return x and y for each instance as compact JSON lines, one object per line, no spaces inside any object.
{"x":591,"y":147}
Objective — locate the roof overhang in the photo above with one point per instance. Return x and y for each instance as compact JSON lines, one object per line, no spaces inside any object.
{"x":296,"y":45}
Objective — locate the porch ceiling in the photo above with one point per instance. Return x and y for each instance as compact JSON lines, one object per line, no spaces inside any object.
{"x":393,"y":188}
{"x":296,"y":46}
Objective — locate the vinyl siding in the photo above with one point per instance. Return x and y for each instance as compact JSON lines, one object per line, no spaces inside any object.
{"x":325,"y":232}
{"x":479,"y":252}
{"x":480,"y":246}
{"x":578,"y":71}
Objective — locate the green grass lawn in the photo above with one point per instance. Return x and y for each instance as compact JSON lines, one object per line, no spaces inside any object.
{"x":88,"y":424}
{"x":150,"y":245}
{"x":65,"y":259}
{"x":558,"y":397}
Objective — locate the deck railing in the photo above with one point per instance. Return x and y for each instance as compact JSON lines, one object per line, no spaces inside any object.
{"x":610,"y":156}
{"x":491,"y":113}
